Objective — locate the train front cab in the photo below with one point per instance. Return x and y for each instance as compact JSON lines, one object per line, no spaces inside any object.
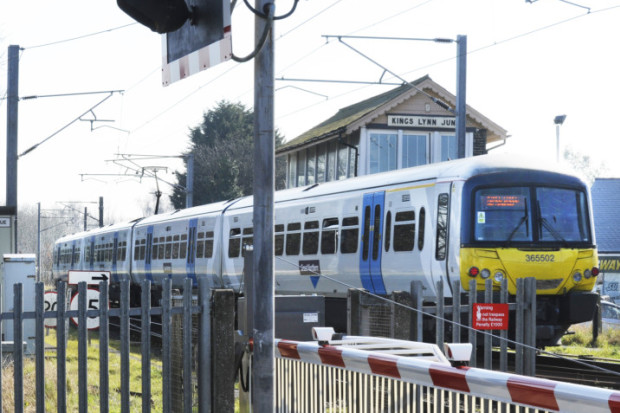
{"x":518,"y":224}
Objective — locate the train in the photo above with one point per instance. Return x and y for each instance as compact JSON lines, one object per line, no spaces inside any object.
{"x":485,"y":217}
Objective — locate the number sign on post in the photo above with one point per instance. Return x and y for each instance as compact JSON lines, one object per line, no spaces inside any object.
{"x":50,"y":299}
{"x":92,"y":303}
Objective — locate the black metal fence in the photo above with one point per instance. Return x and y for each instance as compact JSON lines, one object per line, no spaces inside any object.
{"x":187,"y":355}
{"x":404,"y":315}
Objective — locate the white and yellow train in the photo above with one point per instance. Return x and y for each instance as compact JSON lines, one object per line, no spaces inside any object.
{"x":476,"y":218}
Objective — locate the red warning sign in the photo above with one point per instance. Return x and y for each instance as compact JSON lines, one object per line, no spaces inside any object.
{"x":490,"y":316}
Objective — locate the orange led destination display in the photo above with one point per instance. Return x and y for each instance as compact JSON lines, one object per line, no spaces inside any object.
{"x":502,"y":201}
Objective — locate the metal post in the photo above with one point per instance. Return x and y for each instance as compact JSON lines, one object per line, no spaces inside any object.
{"x":38,"y":242}
{"x":204,"y":357}
{"x":85,"y":218}
{"x":461,"y":86}
{"x":100,"y":212}
{"x":12,"y":95}
{"x":264,"y":143}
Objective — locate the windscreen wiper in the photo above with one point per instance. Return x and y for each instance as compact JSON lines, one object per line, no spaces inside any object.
{"x":545,"y":223}
{"x":523,"y":219}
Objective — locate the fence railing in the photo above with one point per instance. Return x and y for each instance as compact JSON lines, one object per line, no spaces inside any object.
{"x":404,"y":315}
{"x":190,"y":361}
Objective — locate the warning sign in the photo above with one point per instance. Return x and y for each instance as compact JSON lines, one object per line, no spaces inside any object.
{"x":490,"y":316}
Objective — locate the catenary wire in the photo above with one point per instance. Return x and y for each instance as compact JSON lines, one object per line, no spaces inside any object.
{"x":81,"y":37}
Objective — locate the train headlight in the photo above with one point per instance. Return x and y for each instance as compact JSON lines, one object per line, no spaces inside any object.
{"x":577,"y":276}
{"x":474,"y":271}
{"x":498,"y":277}
{"x":595,"y":271}
{"x":485,"y":273}
{"x":587,"y":274}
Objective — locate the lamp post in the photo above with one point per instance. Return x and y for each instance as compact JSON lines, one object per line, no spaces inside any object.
{"x":559,"y":120}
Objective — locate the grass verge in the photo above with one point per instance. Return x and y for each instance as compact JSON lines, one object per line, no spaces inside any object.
{"x":114,"y":368}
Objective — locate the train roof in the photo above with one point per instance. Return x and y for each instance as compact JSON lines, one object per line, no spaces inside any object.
{"x":460,"y":169}
{"x":102,"y":230}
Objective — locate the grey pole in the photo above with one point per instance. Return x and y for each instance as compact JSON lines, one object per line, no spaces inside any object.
{"x":263,"y":399}
{"x":38,"y":242}
{"x":189,"y":190}
{"x":85,"y":218}
{"x":461,"y":86}
{"x":100,"y":212}
{"x":11,"y":131}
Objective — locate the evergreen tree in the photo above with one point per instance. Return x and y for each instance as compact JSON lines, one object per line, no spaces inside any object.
{"x":223,"y":149}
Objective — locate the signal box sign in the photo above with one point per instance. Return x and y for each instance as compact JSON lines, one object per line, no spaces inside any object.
{"x":490,"y":316}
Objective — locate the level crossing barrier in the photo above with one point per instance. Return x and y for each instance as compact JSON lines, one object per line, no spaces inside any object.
{"x":357,"y":374}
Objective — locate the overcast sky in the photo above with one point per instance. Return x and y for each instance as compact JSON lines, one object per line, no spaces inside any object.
{"x":527,"y":63}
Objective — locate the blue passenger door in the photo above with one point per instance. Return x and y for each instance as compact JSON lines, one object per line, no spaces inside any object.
{"x":371,"y":242}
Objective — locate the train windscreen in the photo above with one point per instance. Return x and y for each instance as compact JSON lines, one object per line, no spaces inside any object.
{"x":531,"y":214}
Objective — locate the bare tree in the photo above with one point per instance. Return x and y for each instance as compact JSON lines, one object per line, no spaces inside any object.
{"x":54,"y":224}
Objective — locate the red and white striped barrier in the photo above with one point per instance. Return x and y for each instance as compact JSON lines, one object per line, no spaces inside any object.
{"x":493,"y":385}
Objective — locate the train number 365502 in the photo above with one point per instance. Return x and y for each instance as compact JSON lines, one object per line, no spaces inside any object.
{"x":539,"y":258}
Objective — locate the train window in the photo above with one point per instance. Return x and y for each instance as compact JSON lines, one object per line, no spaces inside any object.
{"x":175,"y":247}
{"x":162,"y":248}
{"x":248,"y":238}
{"x":155,"y":247}
{"x":422,"y":225}
{"x":348,"y":235}
{"x":200,"y":248}
{"x":183,"y":247}
{"x":311,"y":238}
{"x":388,"y":230}
{"x":503,"y":214}
{"x":366,"y":233}
{"x":441,"y":246}
{"x":563,"y":215}
{"x":404,"y":231}
{"x":377,"y":233}
{"x":209,"y":244}
{"x":279,"y":240}
{"x":234,"y":243}
{"x":329,"y":236}
{"x":293,"y":238}
{"x":168,"y":252}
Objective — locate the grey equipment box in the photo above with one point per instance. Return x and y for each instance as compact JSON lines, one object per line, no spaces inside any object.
{"x":295,"y":315}
{"x":19,"y":269}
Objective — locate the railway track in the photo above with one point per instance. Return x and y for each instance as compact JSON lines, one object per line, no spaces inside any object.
{"x":580,"y":370}
{"x":585,"y":370}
